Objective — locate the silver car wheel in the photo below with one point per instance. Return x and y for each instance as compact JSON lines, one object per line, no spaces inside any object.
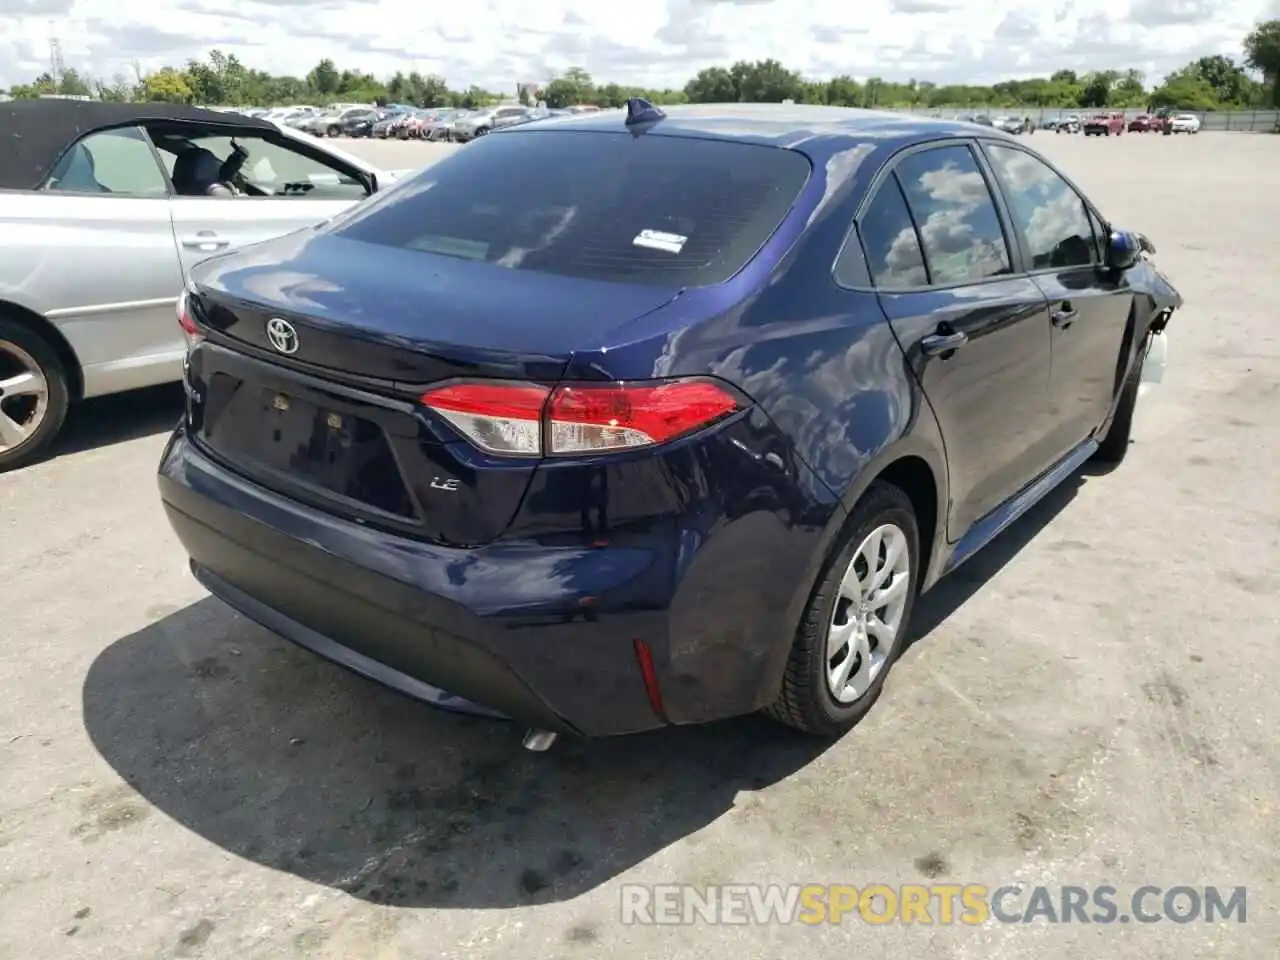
{"x":868,"y":614}
{"x":24,"y":396}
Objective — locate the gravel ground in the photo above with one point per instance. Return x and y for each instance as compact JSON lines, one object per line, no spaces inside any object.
{"x":1091,"y":701}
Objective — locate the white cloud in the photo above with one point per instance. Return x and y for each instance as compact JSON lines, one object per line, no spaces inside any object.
{"x":496,"y":43}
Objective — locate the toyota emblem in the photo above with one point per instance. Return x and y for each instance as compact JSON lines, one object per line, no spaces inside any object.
{"x":282,"y":335}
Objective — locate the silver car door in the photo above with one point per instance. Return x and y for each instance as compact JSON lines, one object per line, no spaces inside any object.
{"x":282,"y":190}
{"x":94,"y":252}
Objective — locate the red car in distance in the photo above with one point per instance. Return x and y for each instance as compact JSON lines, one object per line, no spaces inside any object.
{"x":1104,"y":125}
{"x":1143,"y":124}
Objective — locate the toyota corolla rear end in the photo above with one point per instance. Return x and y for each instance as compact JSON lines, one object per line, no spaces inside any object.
{"x":391,"y":456}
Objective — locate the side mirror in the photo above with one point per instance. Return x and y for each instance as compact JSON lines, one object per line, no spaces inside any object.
{"x":1123,"y":250}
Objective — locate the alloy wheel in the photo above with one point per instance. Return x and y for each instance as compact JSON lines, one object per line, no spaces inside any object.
{"x":24,"y":396}
{"x":868,"y":613}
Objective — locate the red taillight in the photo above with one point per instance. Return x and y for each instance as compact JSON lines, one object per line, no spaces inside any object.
{"x":188,"y":324}
{"x":578,"y":419}
{"x":591,"y":418}
{"x":505,"y":419}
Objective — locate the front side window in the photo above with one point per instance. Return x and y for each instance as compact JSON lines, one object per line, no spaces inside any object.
{"x":269,"y":170}
{"x":890,"y":239}
{"x":667,"y":211}
{"x":1045,"y":209}
{"x":110,"y":162}
{"x":953,"y":208}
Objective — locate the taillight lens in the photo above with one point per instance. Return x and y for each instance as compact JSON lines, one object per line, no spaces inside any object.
{"x":591,"y":418}
{"x":505,"y":419}
{"x":187,"y":322}
{"x":579,"y":419}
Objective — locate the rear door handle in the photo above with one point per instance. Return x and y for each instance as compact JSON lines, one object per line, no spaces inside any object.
{"x":205,"y":240}
{"x":937,"y":343}
{"x":1064,"y":316}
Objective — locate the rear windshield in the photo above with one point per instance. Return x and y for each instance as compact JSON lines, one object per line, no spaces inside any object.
{"x":667,"y":211}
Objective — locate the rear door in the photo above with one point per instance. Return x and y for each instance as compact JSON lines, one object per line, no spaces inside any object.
{"x":98,"y":252}
{"x":1089,"y":306}
{"x":975,"y":333}
{"x":284,"y":190}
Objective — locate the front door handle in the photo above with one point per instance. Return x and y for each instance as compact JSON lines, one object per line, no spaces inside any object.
{"x":205,"y":240}
{"x":939,"y":343}
{"x":1064,"y":316}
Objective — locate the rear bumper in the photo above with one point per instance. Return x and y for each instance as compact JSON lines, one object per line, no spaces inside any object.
{"x":420,"y":619}
{"x":541,"y":634}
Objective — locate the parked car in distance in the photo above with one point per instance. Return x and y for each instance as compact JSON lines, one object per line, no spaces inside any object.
{"x":329,"y":123}
{"x":1104,"y":125}
{"x":294,"y":117}
{"x":357,"y":124}
{"x":608,"y":430}
{"x":104,"y":208}
{"x":481,"y":122}
{"x":387,"y":119}
{"x":1014,"y":125}
{"x":1142,"y":124}
{"x":441,"y":124}
{"x":1069,"y":124}
{"x":1184,"y":123}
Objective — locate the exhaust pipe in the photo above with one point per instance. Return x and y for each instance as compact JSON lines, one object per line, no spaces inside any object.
{"x":539,"y":741}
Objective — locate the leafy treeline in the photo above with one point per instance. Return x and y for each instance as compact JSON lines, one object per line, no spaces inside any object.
{"x":1209,"y":83}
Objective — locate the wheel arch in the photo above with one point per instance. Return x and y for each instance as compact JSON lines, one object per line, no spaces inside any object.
{"x":44,"y":328}
{"x":918,"y":469}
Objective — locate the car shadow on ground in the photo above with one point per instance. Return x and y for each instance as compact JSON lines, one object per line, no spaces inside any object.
{"x":276,"y":756}
{"x":954,"y":590}
{"x":104,"y":421}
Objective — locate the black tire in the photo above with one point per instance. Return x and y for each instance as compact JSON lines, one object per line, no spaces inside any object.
{"x":59,"y":395}
{"x":1115,"y":445}
{"x":805,"y":701}
{"x":334,"y":132}
{"x":481,"y":131}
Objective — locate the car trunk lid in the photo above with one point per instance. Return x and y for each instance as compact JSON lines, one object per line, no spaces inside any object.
{"x":328,"y":415}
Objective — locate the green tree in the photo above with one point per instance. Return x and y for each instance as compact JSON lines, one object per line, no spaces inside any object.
{"x":1262,"y":53}
{"x":324,"y":78}
{"x":118,"y":90}
{"x":1129,"y":90}
{"x":1096,"y":91}
{"x":1231,"y":85}
{"x":42,"y":86}
{"x":1184,"y":90}
{"x":712,"y":85}
{"x":431,"y":91}
{"x":843,"y":92}
{"x":575,"y":86}
{"x":766,"y":81}
{"x":168,"y":85}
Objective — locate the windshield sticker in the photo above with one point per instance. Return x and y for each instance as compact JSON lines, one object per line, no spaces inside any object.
{"x":657,"y":240}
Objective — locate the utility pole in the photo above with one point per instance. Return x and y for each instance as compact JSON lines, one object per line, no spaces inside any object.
{"x":57,"y":69}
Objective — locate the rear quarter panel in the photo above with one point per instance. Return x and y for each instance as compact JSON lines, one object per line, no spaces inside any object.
{"x":828,"y":378}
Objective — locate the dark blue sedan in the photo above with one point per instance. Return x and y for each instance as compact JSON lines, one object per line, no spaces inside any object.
{"x":615,"y":421}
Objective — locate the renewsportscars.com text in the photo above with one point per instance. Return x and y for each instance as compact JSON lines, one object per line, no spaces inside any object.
{"x":934,"y":904}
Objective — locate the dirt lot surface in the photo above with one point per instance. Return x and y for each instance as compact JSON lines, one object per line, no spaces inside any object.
{"x":1092,"y":701}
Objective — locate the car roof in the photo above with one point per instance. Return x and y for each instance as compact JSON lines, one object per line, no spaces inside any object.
{"x":815,"y":130}
{"x":824,"y":134}
{"x":37,"y":132}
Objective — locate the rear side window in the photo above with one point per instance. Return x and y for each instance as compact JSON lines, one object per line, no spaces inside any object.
{"x":1045,"y":209}
{"x":117,"y":161}
{"x":890,"y":239}
{"x":667,"y":211}
{"x":952,"y":205}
